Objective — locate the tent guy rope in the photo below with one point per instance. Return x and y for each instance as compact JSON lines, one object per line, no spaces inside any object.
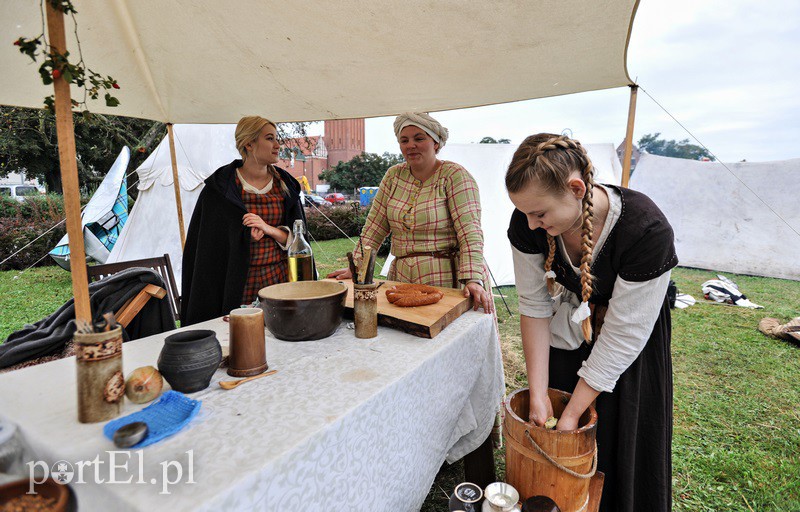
{"x":718,"y":160}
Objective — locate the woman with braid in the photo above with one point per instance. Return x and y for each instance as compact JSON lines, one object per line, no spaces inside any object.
{"x":592,"y":265}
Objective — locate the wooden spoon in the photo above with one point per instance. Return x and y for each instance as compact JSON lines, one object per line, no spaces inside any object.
{"x":230,"y":384}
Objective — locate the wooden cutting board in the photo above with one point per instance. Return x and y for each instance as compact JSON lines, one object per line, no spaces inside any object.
{"x":422,"y":321}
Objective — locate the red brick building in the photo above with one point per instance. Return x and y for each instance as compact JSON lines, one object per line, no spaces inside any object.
{"x":309,"y":156}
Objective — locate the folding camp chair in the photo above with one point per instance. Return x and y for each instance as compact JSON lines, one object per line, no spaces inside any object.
{"x":161,"y":265}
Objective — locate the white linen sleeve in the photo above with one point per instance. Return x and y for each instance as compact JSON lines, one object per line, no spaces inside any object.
{"x":289,"y":239}
{"x":632,"y":312}
{"x":534,"y":300}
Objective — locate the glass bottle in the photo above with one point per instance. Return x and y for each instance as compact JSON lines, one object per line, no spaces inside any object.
{"x":301,"y":259}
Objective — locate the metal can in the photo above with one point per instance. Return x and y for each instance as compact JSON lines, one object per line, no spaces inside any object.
{"x":467,"y":497}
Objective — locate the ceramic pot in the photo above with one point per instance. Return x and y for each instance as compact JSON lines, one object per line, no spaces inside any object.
{"x":57,"y":493}
{"x":189,"y":359}
{"x":303,"y":310}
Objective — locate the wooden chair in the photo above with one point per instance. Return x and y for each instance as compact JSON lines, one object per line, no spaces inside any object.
{"x":131,"y":308}
{"x":161,"y":265}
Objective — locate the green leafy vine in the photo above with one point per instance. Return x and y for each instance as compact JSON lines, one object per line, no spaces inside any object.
{"x":55,"y":65}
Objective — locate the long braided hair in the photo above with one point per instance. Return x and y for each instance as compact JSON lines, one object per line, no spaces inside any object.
{"x":548,"y":160}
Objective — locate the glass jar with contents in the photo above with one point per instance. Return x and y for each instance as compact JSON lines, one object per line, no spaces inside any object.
{"x":301,"y":258}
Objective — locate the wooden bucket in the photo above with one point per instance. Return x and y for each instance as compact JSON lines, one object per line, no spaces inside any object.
{"x":546,"y":470}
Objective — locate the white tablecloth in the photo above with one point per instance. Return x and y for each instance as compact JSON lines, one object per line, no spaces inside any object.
{"x":345,"y":424}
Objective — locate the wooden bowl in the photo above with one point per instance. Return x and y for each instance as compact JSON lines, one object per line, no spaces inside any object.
{"x":304,"y":310}
{"x":50,"y":489}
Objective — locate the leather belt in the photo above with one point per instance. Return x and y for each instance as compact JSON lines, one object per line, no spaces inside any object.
{"x":451,"y":255}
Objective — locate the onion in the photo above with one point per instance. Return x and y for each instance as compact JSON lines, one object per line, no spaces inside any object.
{"x":143,"y":385}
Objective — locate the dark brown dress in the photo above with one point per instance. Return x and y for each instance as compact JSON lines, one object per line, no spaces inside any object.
{"x":634,"y":431}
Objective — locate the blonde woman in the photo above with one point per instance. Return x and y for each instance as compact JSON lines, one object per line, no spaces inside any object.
{"x":592,"y":265}
{"x":240,"y":228}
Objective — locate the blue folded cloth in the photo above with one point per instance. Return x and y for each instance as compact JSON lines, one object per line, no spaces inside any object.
{"x":166,"y":417}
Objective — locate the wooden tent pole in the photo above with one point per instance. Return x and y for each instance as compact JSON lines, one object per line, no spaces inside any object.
{"x":626,"y":162}
{"x":65,"y":131}
{"x":176,"y":183}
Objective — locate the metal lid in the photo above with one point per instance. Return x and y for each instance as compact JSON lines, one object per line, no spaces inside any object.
{"x":468,"y":492}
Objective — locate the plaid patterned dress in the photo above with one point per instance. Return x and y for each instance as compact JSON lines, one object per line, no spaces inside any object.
{"x":267,"y":260}
{"x":441,"y":214}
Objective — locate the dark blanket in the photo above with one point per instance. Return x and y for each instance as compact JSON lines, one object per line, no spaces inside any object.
{"x":52,"y":333}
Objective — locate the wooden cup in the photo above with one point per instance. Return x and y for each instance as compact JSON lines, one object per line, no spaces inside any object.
{"x":247,"y":351}
{"x":365,"y":309}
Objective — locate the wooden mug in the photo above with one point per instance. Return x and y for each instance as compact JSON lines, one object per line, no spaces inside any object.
{"x":365,"y":309}
{"x":247,"y":350}
{"x":101,"y":384}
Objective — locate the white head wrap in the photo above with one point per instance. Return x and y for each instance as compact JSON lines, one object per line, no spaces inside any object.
{"x":421,"y":120}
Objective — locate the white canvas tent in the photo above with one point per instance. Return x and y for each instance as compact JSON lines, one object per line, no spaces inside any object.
{"x":152,"y":227}
{"x":207,"y":61}
{"x":719,"y":221}
{"x":488,"y":164}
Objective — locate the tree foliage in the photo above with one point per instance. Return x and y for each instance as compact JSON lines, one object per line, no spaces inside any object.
{"x":492,"y":140}
{"x":28,"y":143}
{"x":364,"y":170}
{"x":676,"y":149}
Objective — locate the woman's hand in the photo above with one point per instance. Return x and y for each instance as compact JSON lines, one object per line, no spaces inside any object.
{"x":536,"y":346}
{"x":253,"y":221}
{"x":256,"y":234}
{"x":540,"y":408}
{"x":480,"y":297}
{"x":582,"y":398}
{"x":341,"y":274}
{"x":567,"y":422}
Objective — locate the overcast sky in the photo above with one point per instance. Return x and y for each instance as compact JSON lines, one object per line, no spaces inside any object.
{"x":728,"y":70}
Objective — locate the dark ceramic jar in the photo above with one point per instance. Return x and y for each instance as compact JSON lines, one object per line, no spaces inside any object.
{"x":540,"y":504}
{"x":189,"y":359}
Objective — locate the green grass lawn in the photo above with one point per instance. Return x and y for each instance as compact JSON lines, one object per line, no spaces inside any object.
{"x":736,"y":444}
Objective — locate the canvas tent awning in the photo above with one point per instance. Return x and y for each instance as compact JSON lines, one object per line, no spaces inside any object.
{"x":208,"y":61}
{"x":205,"y":61}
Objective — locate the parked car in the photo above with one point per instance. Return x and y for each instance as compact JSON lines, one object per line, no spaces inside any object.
{"x":315,"y":199}
{"x":335,"y":198}
{"x":18,"y":192}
